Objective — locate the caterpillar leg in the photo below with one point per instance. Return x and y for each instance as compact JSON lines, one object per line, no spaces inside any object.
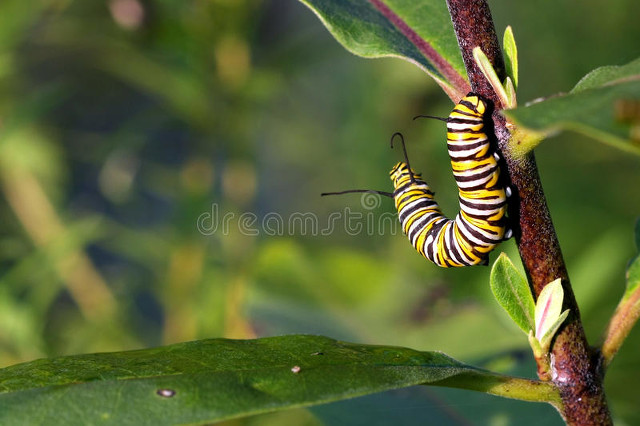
{"x":508,"y":233}
{"x":507,"y":191}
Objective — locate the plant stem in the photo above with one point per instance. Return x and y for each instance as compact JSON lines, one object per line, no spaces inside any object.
{"x":473,"y":25}
{"x":574,"y":368}
{"x":622,"y":321}
{"x":505,"y":386}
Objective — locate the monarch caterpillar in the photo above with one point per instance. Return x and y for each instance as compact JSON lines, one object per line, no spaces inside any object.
{"x":481,"y":223}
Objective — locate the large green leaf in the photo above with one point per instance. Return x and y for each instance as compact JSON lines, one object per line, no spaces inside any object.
{"x":211,"y":380}
{"x":605,"y":105}
{"x":417,"y":31}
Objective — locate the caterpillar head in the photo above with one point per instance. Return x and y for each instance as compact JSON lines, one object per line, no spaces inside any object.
{"x":401,"y":175}
{"x":475,"y":103}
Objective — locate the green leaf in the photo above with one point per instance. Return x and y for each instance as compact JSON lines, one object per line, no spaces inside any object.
{"x":490,"y":73}
{"x":601,"y":106}
{"x":512,"y":292}
{"x":607,"y":75}
{"x":211,"y":380}
{"x":535,"y":345}
{"x":510,"y":55}
{"x":417,"y":31}
{"x":511,"y":93}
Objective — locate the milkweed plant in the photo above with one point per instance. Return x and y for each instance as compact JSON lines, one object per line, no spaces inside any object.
{"x":456,"y":45}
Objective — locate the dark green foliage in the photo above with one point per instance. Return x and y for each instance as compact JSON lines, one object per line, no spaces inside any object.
{"x":208,"y":380}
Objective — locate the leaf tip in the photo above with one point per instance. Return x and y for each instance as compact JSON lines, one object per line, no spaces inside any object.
{"x":490,"y":74}
{"x":511,"y":54}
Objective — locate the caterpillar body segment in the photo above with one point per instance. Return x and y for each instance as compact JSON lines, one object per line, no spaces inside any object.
{"x":481,"y":223}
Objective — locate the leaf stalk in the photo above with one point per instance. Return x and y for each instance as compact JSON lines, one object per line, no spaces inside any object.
{"x":624,"y":318}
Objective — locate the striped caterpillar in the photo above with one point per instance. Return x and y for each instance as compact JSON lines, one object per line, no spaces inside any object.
{"x":481,"y":223}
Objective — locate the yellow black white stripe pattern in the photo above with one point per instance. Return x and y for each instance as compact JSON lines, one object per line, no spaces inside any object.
{"x":481,"y":223}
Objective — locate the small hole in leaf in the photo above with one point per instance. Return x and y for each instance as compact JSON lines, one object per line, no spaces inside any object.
{"x":166,"y":393}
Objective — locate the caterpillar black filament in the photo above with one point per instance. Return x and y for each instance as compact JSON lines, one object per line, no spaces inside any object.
{"x":481,"y":223}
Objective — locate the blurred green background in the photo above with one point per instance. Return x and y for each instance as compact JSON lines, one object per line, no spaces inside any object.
{"x":150,"y":150}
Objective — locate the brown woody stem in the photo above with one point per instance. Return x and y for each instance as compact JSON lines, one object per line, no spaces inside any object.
{"x":575,"y":369}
